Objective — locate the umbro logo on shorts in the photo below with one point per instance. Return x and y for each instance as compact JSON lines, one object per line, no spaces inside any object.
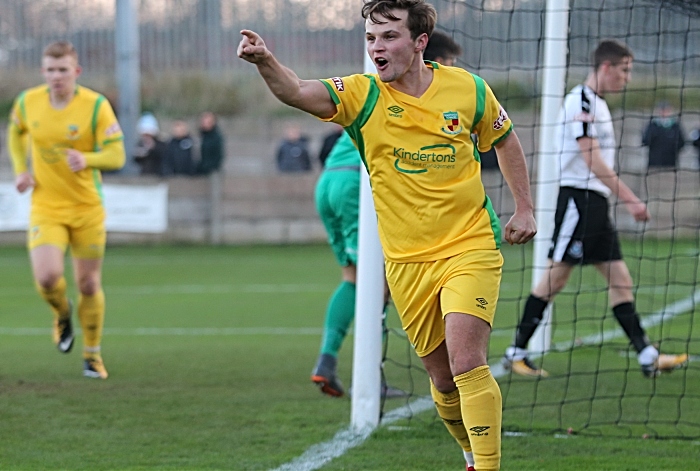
{"x":479,"y":430}
{"x":481,"y":303}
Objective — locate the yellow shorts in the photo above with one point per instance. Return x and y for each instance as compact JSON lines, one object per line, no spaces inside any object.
{"x":83,"y":230}
{"x":424,"y":292}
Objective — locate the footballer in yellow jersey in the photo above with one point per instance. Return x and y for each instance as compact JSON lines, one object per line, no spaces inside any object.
{"x":86,"y":124}
{"x":69,"y":133}
{"x":423,"y":165}
{"x":412,"y":123}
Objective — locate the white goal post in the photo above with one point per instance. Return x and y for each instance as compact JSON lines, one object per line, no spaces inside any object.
{"x":369,"y":309}
{"x":553,"y":91}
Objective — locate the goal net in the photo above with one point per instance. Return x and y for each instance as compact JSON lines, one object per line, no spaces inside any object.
{"x":595,"y":385}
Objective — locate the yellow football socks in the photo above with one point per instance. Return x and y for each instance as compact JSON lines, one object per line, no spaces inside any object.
{"x":450,"y":412}
{"x":91,"y":312}
{"x":56,"y":297}
{"x":481,"y":402}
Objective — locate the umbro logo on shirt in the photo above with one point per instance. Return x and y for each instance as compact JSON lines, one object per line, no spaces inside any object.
{"x":395,"y":111}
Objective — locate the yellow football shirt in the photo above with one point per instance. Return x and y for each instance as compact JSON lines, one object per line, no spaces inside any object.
{"x":423,"y":166}
{"x":87,"y":124}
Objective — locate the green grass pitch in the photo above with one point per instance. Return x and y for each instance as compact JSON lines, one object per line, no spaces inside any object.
{"x":209,"y":351}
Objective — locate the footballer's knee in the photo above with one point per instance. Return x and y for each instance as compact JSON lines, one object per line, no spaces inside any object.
{"x":48,"y":280}
{"x":444,"y":384}
{"x":467,"y":365}
{"x":89,"y":285}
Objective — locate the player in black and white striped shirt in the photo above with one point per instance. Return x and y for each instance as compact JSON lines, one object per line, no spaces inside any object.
{"x":584,"y":233}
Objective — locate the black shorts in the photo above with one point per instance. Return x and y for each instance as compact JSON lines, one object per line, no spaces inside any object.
{"x":583,"y":231}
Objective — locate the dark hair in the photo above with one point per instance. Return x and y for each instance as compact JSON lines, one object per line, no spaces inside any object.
{"x":611,"y":51}
{"x":421,"y":15}
{"x":441,"y":45}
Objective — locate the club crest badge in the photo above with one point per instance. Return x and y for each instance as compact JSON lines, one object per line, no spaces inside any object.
{"x":452,"y":125}
{"x":72,"y":132}
{"x":576,"y":249}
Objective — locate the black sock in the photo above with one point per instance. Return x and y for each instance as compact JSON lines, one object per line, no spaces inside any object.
{"x":628,"y":318}
{"x":532,"y":315}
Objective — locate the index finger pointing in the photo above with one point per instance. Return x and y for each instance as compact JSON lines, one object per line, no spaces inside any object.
{"x":251,"y":35}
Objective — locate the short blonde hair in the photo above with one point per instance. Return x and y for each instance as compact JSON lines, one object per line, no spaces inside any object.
{"x":60,"y":49}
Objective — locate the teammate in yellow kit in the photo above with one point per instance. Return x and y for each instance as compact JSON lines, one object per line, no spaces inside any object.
{"x":72,"y":135}
{"x":412,"y":123}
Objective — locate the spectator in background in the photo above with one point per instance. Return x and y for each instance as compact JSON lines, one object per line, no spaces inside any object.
{"x":293,"y":153}
{"x":329,"y":141}
{"x":211,"y":146}
{"x":664,"y":137}
{"x":179,"y":158}
{"x":150,"y":149}
{"x":695,"y":139}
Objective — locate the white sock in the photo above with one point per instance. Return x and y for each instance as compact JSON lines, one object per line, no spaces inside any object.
{"x":515,"y":354}
{"x":469,"y":456}
{"x":648,"y":356}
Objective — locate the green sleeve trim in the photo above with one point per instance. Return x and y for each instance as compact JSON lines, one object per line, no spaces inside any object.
{"x":331,"y":92}
{"x":495,"y":222}
{"x":116,"y":139}
{"x":22,"y":105}
{"x":354,"y":130}
{"x":95,"y":114}
{"x":510,"y":129}
{"x":370,"y":103}
{"x":480,"y":100}
{"x":98,"y":184}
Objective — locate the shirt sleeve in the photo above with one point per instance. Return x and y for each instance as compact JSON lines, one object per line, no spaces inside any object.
{"x":579,"y":118}
{"x":494,"y":125}
{"x":17,"y":142}
{"x":349,"y":95}
{"x":109,"y":151}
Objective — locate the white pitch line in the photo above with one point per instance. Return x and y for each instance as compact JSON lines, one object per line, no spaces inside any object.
{"x":149,"y":290}
{"x":321,"y":453}
{"x":165,"y":331}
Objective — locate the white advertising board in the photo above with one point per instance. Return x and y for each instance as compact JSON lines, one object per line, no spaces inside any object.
{"x":130,"y":208}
